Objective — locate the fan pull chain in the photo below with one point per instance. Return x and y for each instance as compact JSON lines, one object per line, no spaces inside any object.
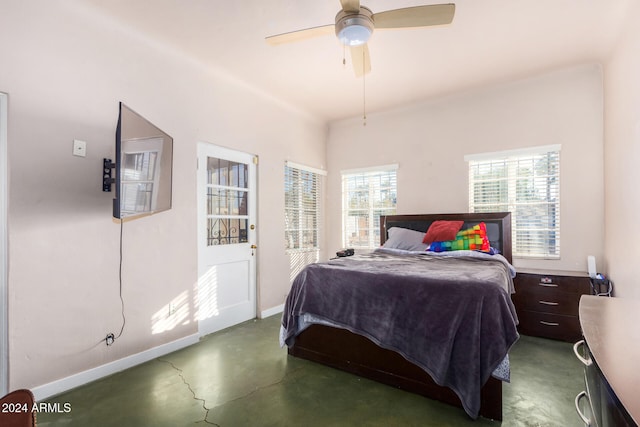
{"x":364,"y":92}
{"x":344,"y":55}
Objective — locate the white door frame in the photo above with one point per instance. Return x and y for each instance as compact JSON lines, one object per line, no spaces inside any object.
{"x":205,"y":324}
{"x":4,"y":247}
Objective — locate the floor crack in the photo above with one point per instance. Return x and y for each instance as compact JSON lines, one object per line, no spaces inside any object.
{"x":193,"y":393}
{"x":260,"y":388}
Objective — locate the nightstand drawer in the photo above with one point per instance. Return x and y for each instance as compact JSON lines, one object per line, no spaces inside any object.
{"x":549,"y":283}
{"x":546,"y":300}
{"x":555,"y":326}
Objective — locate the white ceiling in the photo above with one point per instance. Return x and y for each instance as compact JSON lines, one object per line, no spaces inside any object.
{"x":489,"y":41}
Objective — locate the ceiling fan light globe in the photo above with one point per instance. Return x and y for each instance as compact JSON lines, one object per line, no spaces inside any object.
{"x":354,"y":35}
{"x":354,"y":29}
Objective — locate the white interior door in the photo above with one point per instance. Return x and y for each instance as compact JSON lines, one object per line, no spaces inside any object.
{"x":226,"y":237}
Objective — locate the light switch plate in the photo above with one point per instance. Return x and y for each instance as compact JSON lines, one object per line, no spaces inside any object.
{"x":79,"y":148}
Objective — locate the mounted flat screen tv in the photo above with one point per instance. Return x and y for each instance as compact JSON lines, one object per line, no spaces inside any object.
{"x":143,"y":167}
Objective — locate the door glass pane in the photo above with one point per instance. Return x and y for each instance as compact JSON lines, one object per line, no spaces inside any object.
{"x":227,"y":173}
{"x":227,"y":202}
{"x":226,"y":231}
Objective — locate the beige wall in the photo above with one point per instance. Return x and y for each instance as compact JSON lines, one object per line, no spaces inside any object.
{"x":65,"y":71}
{"x":622,"y":159}
{"x":429,"y":141}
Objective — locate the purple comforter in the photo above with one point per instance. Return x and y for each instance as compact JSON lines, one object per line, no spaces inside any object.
{"x":452,"y":316}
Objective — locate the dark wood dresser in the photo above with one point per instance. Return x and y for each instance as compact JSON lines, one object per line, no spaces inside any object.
{"x":547,"y":303}
{"x":610,"y":356}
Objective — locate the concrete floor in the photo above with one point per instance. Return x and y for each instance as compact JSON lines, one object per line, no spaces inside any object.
{"x":241,"y":377}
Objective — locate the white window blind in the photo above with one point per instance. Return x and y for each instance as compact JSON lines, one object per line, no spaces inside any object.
{"x":527,"y":184}
{"x":366,"y":195}
{"x":302,"y":207}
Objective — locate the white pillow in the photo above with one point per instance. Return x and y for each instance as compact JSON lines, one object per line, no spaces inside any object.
{"x":403,"y":238}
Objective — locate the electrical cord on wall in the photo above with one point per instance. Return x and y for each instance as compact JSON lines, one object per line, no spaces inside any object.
{"x":124,"y":319}
{"x":110,"y":339}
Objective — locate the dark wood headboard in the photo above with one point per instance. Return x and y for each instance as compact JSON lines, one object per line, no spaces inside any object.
{"x":498,"y":226}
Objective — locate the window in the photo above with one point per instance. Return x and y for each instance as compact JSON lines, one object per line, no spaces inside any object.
{"x":366,"y":195}
{"x":228,"y":199}
{"x":527,"y":184}
{"x":302,"y":207}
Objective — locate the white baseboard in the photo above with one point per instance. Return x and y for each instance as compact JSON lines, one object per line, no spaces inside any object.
{"x":271,"y":311}
{"x":53,"y":388}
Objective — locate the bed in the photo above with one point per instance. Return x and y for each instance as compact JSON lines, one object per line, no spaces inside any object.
{"x":437,"y":325}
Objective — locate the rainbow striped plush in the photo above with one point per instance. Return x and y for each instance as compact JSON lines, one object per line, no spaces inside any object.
{"x":471,"y":239}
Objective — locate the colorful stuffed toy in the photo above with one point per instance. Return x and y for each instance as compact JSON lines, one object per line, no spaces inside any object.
{"x":472,"y":239}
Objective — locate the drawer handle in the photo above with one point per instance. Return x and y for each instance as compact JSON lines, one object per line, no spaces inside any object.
{"x":548,"y":303}
{"x":548,"y":285}
{"x":549,"y":323}
{"x":585,"y":420}
{"x":585,"y":361}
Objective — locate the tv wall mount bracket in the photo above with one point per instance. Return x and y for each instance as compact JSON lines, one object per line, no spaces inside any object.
{"x":107,"y":174}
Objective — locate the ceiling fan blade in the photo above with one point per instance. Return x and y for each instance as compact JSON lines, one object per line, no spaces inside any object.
{"x":418,"y":16}
{"x":350,"y":5}
{"x":361,"y":60}
{"x":305,"y":34}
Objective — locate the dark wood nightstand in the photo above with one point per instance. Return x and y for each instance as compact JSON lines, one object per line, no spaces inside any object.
{"x":547,"y":304}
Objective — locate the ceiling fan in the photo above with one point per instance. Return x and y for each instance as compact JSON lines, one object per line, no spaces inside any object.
{"x":354,"y":25}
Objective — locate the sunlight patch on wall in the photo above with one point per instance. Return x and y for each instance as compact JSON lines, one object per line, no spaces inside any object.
{"x":300,"y":259}
{"x":174,"y":313}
